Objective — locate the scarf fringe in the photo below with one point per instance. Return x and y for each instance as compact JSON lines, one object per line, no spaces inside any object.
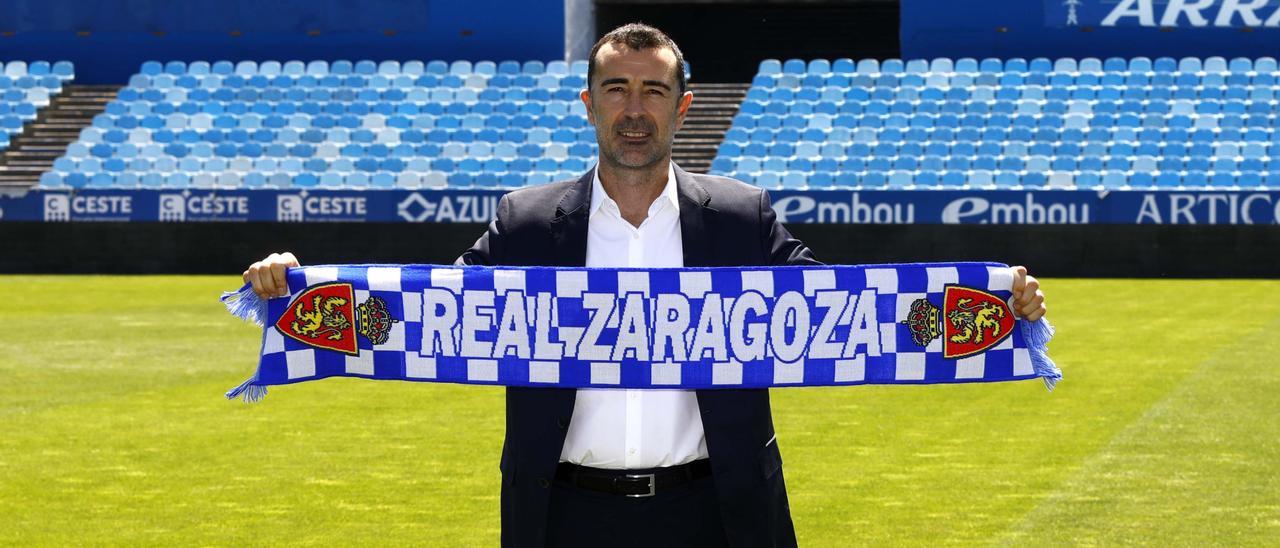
{"x":250,"y":392}
{"x":246,"y":305}
{"x":1038,"y":334}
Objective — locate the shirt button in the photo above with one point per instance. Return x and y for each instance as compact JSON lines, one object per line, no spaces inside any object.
{"x":633,"y":450}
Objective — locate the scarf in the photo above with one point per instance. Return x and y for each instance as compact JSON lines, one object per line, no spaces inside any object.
{"x":659,"y":328}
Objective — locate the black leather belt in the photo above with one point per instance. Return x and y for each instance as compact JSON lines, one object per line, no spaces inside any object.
{"x":632,"y":483}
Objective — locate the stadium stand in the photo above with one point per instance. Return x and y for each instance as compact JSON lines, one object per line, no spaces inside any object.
{"x":817,"y":124}
{"x":24,"y":89}
{"x":341,"y":125}
{"x":964,"y":123}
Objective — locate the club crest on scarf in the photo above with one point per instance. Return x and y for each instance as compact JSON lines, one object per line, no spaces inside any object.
{"x":969,"y":322}
{"x":326,"y":316}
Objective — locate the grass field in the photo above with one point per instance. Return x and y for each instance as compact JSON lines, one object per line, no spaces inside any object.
{"x":1166,"y":430}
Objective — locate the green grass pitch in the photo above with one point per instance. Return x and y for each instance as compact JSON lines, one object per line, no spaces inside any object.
{"x":1166,"y":430}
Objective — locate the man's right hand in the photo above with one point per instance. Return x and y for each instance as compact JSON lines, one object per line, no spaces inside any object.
{"x":267,"y":275}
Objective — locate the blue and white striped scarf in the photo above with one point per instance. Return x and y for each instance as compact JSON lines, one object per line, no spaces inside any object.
{"x":684,"y":328}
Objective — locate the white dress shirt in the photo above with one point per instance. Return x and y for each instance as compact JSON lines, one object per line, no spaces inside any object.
{"x":628,"y":429}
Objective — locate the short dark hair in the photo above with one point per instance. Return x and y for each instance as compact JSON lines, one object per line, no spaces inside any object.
{"x":639,"y":36}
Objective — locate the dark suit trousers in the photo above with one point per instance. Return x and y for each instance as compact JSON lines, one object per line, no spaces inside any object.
{"x":684,"y":515}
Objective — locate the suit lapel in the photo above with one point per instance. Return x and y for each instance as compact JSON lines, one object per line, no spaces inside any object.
{"x":569,"y":227}
{"x":696,"y":216}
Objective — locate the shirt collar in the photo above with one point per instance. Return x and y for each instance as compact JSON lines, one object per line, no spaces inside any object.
{"x":599,"y":196}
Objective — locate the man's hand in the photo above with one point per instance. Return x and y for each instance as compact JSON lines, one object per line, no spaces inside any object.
{"x":267,"y":275}
{"x":1028,"y":300}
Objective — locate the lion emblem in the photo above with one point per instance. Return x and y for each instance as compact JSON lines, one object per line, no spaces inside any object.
{"x":324,"y":318}
{"x":973,"y":320}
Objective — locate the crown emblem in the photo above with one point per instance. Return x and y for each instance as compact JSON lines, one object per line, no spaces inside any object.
{"x":375,"y":320}
{"x":970,"y":321}
{"x":923,"y":322}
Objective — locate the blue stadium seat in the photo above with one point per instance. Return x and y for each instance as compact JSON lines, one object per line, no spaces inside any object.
{"x":1034,"y":179}
{"x":1142,"y":179}
{"x":61,"y":69}
{"x":1168,"y":179}
{"x":533,"y":67}
{"x":901,"y":179}
{"x":1215,"y":65}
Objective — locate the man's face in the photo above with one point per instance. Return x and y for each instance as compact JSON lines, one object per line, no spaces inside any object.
{"x":635,"y":104}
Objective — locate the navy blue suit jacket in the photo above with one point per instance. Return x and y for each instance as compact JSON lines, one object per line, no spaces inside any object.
{"x":723,"y":222}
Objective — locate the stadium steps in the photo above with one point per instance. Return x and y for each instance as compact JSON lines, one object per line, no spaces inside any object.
{"x":710,"y":116}
{"x":45,"y":138}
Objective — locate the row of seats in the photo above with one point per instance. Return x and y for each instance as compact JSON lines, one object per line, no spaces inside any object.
{"x":64,"y":70}
{"x":547,"y":116}
{"x":1146,"y":164}
{"x":1012,"y":106}
{"x":1022,"y":120}
{"x":283,"y":180}
{"x":1032,"y":80}
{"x":418,"y":98}
{"x":508,"y":107}
{"x":340,"y":136}
{"x":1045,"y":94}
{"x":1160,"y":65}
{"x":969,"y":149}
{"x":469,"y":164}
{"x":341,"y":129}
{"x":981,"y":179}
{"x":365,"y":67}
{"x":909,"y":135}
{"x":794,"y":180}
{"x":29,"y":82}
{"x":317,"y":84}
{"x":325,"y":150}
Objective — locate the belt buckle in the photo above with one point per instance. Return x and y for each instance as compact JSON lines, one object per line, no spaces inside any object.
{"x":652,"y":484}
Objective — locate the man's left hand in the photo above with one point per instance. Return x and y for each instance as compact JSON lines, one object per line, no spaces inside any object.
{"x":1028,"y":299}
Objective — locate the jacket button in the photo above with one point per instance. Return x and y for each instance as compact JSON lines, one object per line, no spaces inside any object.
{"x":562,"y":423}
{"x":542,"y":482}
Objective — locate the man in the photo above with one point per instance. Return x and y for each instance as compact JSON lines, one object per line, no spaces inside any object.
{"x":638,"y":467}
